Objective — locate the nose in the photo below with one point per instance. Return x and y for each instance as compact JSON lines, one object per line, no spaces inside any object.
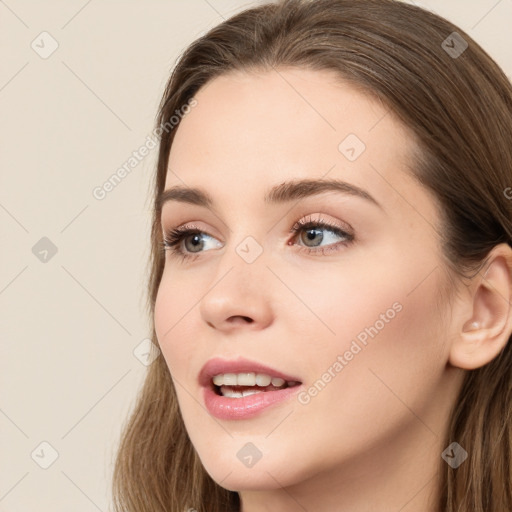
{"x":239,"y":297}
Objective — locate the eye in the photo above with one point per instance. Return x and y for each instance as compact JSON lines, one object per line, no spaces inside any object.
{"x":193,"y":238}
{"x":175,"y":238}
{"x":313,"y":233}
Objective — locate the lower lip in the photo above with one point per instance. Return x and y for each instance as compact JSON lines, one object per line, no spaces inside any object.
{"x":226,"y":408}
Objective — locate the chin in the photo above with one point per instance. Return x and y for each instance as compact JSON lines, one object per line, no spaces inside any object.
{"x":249,"y":479}
{"x":233,"y":473}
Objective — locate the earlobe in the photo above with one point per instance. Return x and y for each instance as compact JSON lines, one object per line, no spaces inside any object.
{"x":486,"y":332}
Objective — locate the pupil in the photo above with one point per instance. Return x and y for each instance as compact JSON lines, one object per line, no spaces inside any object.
{"x":312,"y":233}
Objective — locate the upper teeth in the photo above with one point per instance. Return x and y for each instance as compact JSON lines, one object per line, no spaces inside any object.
{"x":248,"y":379}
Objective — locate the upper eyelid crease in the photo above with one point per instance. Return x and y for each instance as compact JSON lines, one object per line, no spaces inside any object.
{"x":284,"y":192}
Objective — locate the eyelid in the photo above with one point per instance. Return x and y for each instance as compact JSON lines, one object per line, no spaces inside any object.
{"x":318,"y":219}
{"x":186,"y":226}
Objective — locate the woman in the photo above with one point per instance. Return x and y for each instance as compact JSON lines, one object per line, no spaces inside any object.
{"x":331,"y":270}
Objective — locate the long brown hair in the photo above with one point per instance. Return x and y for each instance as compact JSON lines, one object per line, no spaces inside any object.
{"x":458,"y":104}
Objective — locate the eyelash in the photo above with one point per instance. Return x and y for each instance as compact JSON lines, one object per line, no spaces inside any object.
{"x":173,"y":238}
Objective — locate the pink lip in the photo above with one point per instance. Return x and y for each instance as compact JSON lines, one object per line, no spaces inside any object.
{"x":246,"y":407}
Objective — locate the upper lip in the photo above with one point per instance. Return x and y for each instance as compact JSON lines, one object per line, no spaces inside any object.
{"x":217,"y":366}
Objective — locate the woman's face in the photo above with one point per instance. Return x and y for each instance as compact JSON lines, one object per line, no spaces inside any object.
{"x":354,"y":320}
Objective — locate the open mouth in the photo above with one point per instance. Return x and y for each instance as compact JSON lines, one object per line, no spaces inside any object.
{"x":246,"y":384}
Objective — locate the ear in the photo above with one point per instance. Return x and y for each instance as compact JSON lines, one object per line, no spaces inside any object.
{"x":486,"y":316}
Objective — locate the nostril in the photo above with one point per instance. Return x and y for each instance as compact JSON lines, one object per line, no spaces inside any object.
{"x":238,"y":318}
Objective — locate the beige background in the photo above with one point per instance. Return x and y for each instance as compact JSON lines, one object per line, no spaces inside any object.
{"x":70,"y":324}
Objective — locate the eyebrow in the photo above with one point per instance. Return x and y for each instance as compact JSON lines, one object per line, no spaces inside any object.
{"x":284,"y":192}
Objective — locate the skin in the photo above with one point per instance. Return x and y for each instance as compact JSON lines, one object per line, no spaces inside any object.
{"x":372,"y":438}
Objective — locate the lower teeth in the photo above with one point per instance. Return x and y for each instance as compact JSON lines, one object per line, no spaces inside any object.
{"x":230,"y":392}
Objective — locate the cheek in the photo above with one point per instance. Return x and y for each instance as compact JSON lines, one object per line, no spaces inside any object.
{"x":388,"y":309}
{"x":347,"y":309}
{"x":391,"y":346}
{"x":172,"y":317}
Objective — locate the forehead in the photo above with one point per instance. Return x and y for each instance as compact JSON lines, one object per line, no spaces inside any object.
{"x":250,"y":131}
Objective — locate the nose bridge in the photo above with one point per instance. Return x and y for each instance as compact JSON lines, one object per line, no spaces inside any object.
{"x":246,"y":239}
{"x":245,"y":261}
